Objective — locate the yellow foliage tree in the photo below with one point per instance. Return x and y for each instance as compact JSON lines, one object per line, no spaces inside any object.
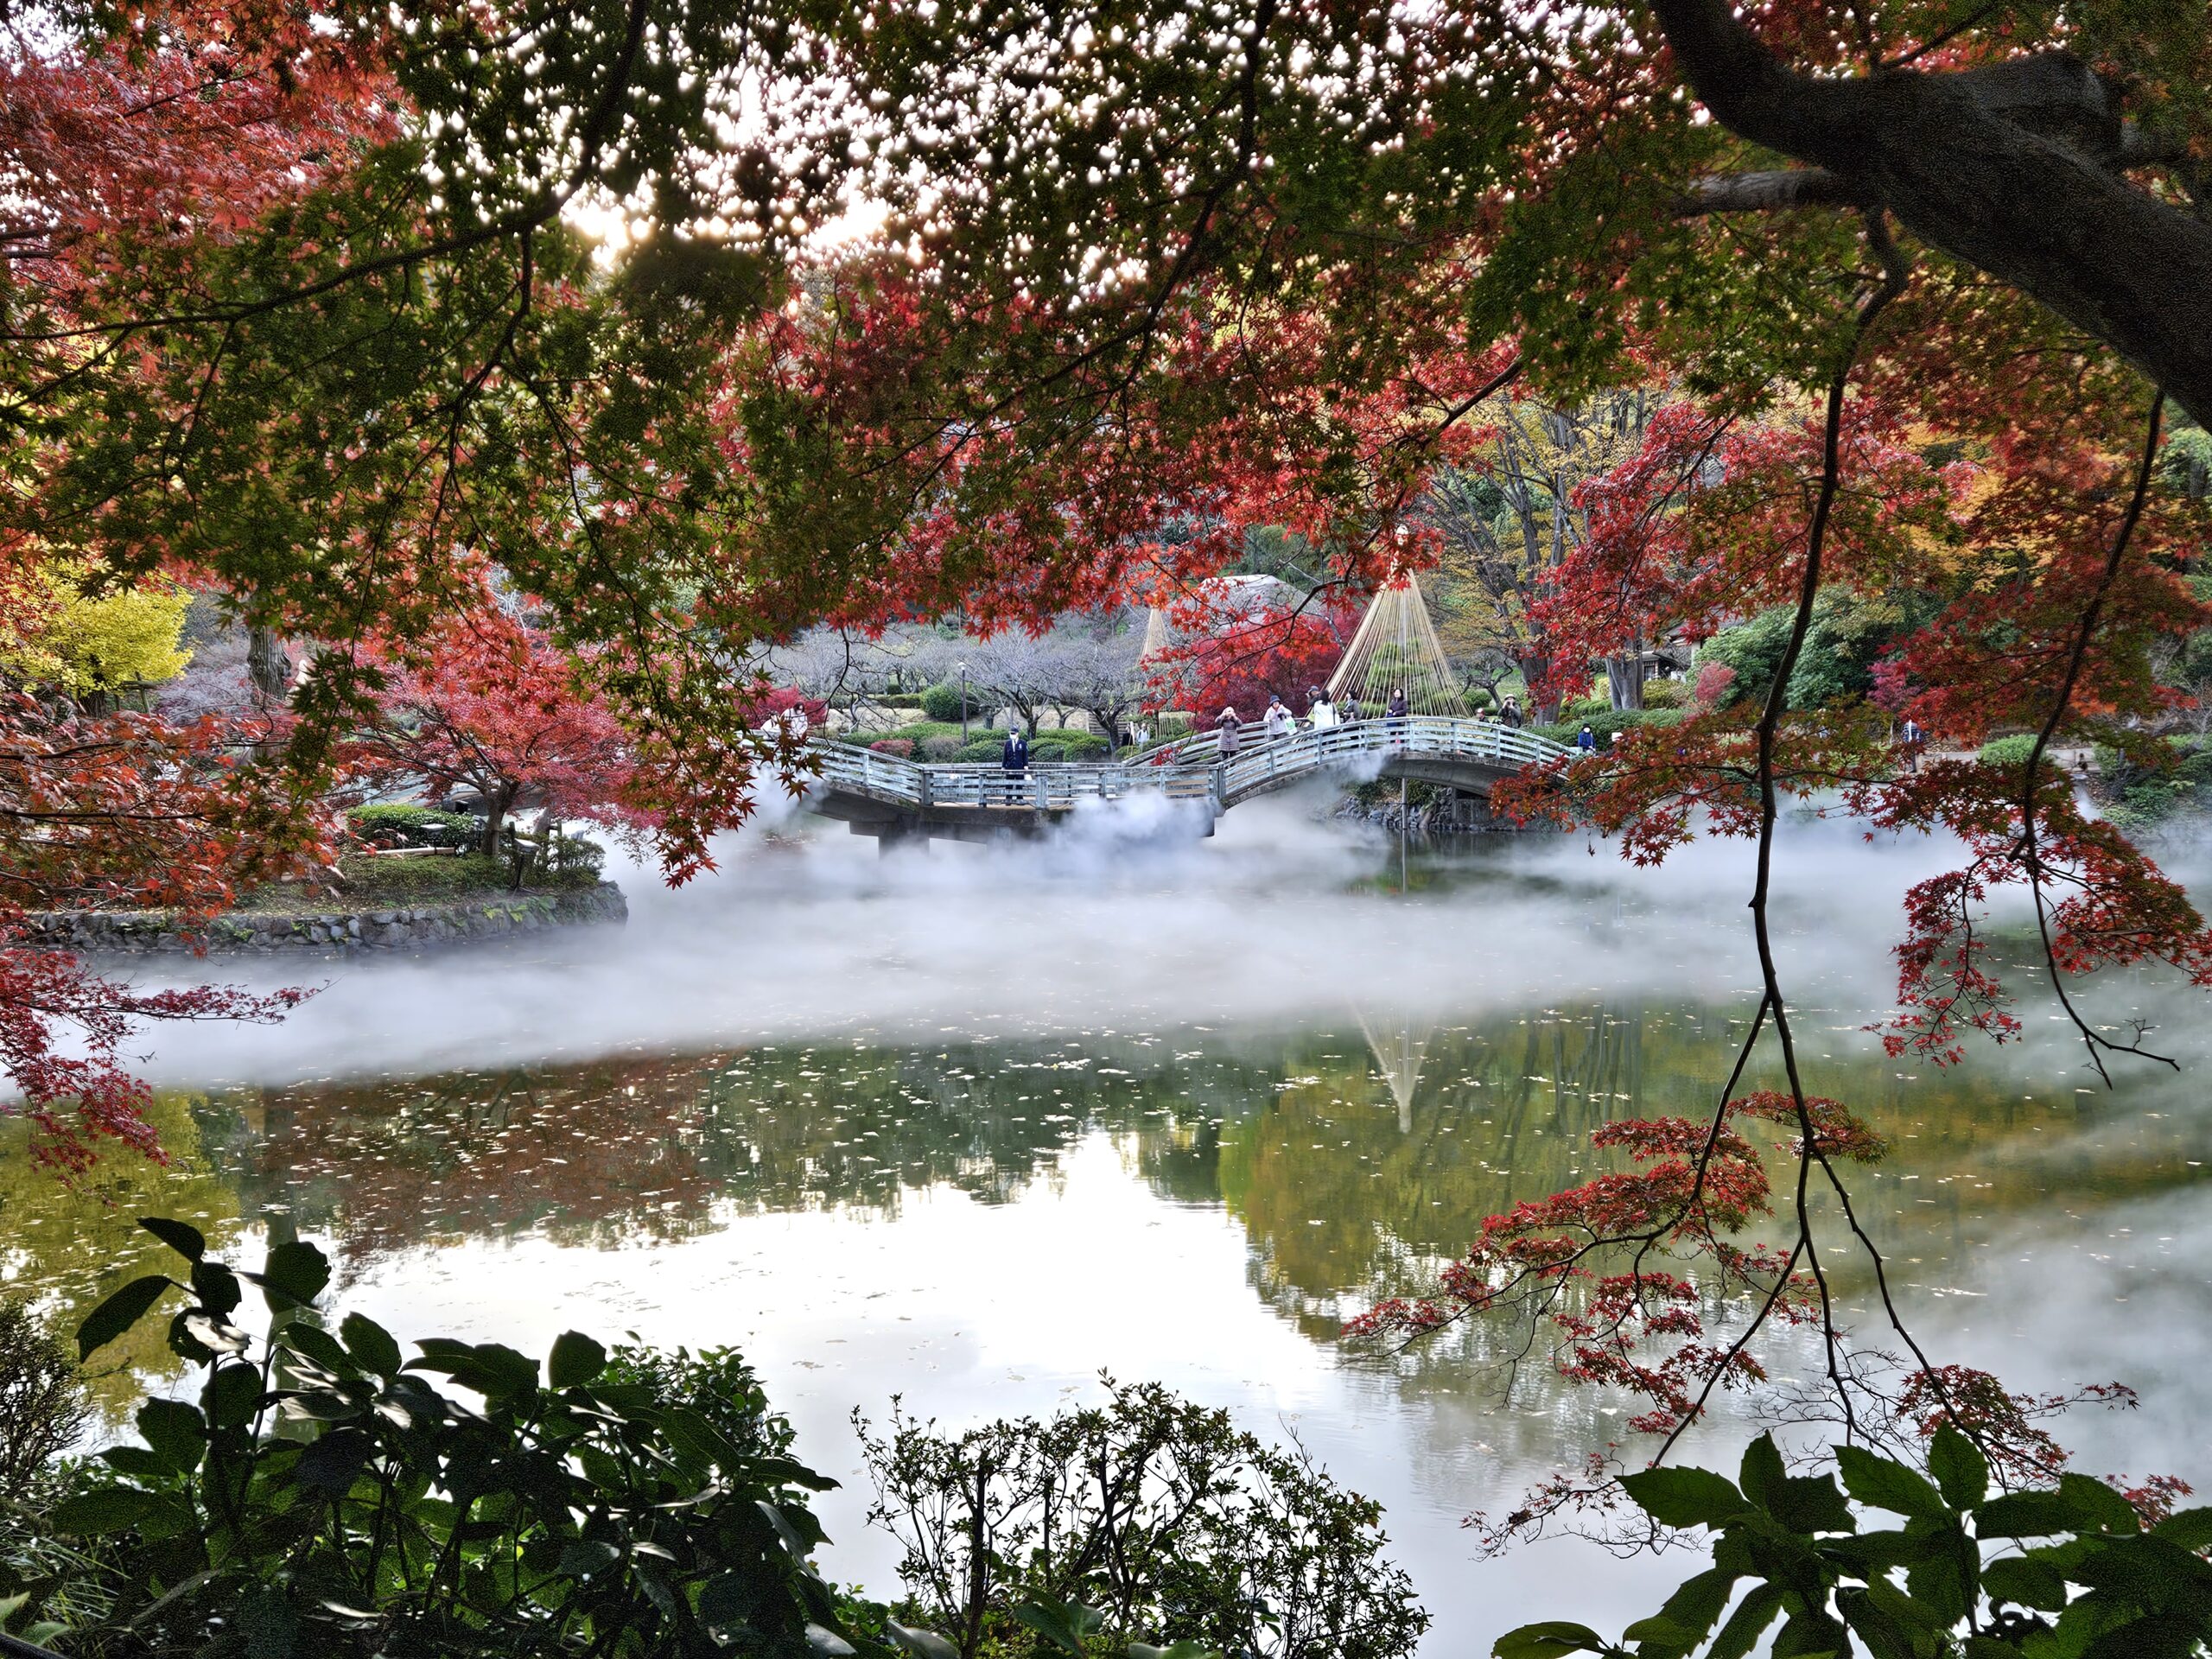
{"x":72,"y":636}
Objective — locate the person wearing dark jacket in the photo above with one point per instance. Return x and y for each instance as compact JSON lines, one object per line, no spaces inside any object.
{"x":1585,"y":740}
{"x":1014,"y":757}
{"x":1397,"y":706}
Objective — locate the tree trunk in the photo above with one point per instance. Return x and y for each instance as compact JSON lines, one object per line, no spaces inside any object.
{"x":1625,"y":682}
{"x":1971,"y":161}
{"x":267,"y":664}
{"x":497,"y":803}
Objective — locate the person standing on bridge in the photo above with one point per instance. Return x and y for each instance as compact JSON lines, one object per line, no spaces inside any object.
{"x":1320,"y":713}
{"x":1397,"y":706}
{"x":1014,"y":759}
{"x":1512,"y":713}
{"x":1232,"y":733}
{"x":1281,"y":723}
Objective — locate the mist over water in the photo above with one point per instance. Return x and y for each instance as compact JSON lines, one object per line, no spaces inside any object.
{"x":971,"y":1124}
{"x":1130,"y":918}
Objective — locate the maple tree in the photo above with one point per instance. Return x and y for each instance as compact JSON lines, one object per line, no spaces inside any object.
{"x":488,"y":705}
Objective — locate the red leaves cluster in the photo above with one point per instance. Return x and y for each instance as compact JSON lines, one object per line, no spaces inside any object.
{"x":124,"y":811}
{"x":1222,"y":657}
{"x":1581,"y":1259}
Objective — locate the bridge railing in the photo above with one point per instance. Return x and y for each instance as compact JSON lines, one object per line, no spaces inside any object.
{"x":1264,"y":763}
{"x":1252,"y":771}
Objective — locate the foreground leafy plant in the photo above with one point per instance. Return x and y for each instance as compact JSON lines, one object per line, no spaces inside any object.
{"x":325,"y":1498}
{"x":2103,"y":1587}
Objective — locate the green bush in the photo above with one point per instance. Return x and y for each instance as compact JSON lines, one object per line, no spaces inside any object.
{"x":324,"y":1496}
{"x":1156,"y":1516}
{"x":1609,"y":724}
{"x":1665,"y":694}
{"x":2010,"y":752}
{"x":1067,"y":745}
{"x":942,"y":703}
{"x":940,"y":748}
{"x":42,"y":1404}
{"x":394,"y":825}
{"x":2076,"y":1571}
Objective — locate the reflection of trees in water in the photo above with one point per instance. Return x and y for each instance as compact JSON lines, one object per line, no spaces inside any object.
{"x":1343,"y":1196}
{"x":1344,"y":1206}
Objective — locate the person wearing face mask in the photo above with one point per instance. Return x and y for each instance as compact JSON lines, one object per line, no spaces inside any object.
{"x":1280,"y":722}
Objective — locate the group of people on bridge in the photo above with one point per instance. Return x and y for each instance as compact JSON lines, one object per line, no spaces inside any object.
{"x":1321,"y":714}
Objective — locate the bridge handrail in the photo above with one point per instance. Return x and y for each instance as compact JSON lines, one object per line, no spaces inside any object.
{"x":1262,"y":765}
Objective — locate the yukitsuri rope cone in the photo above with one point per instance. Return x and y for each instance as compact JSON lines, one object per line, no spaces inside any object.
{"x":1394,"y":649}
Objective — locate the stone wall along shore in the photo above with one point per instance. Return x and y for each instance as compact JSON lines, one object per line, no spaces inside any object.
{"x":385,"y":927}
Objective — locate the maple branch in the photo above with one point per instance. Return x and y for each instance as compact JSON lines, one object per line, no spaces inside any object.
{"x":1769,"y":190}
{"x":2030,"y":856}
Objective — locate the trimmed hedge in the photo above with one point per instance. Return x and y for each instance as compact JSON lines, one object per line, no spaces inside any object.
{"x":395,"y":824}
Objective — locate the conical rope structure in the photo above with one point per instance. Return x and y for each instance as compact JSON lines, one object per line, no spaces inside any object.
{"x":1159,"y":634}
{"x":1394,"y":649}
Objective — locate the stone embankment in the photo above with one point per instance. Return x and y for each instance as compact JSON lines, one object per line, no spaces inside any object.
{"x":486,"y":916}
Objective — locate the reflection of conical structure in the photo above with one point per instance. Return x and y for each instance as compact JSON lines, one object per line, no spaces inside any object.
{"x":1396,"y":648}
{"x":1399,"y":1044}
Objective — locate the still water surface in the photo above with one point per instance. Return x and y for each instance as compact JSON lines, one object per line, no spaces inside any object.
{"x":974,"y":1127}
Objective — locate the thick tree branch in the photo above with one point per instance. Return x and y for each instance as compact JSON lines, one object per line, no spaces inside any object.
{"x":1765,"y":192}
{"x":2000,"y":166}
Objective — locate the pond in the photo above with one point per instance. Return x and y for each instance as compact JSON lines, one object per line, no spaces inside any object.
{"x":973,"y":1126}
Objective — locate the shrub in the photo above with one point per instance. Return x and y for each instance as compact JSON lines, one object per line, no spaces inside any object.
{"x":981,"y":748}
{"x":2078,"y":1572}
{"x":42,"y":1404}
{"x":575,"y":861}
{"x":394,"y":825}
{"x":588,"y":1507}
{"x":901,"y":746}
{"x":942,"y":701}
{"x":1609,"y":724}
{"x":2011,"y":752}
{"x":940,"y":748}
{"x":1166,"y":1521}
{"x":1665,"y":694}
{"x":1067,"y":745}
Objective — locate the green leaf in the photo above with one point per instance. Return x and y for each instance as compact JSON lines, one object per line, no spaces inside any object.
{"x":2101,"y":1509}
{"x":294,"y":1275}
{"x":138,"y":1462}
{"x":1762,"y":1474}
{"x":108,"y":1509}
{"x":582,"y":1557}
{"x":332,"y":1464}
{"x":2191,"y":1528}
{"x":1961,"y":1473}
{"x":1747,"y":1624}
{"x":313,"y":1343}
{"x":1064,"y":1624}
{"x":1811,"y":1504}
{"x":1683,"y":1497}
{"x":1550,"y":1639}
{"x":2024,"y":1515}
{"x":1172,"y":1650}
{"x":2027,"y":1581}
{"x":493,"y":1369}
{"x":176,"y":1432}
{"x":824,"y":1640}
{"x":231,"y":1396}
{"x":574,"y":1361}
{"x":928,"y":1644}
{"x":371,"y":1345}
{"x":186,"y":1242}
{"x":217,"y":1288}
{"x":1681,"y":1624}
{"x":1885,"y":1484}
{"x":118,"y":1313}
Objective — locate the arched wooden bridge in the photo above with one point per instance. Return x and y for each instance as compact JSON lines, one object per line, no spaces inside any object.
{"x":884,"y":796}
